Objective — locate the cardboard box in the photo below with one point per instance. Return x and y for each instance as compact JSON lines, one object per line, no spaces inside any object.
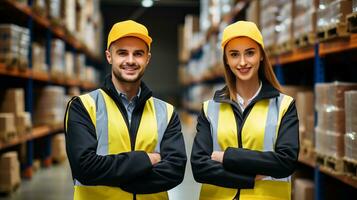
{"x":329,"y":143}
{"x":59,"y":148}
{"x":13,"y":101}
{"x":8,"y":161}
{"x":351,"y":111}
{"x":303,"y":189}
{"x":23,"y":122}
{"x":7,"y":126}
{"x":305,"y":109}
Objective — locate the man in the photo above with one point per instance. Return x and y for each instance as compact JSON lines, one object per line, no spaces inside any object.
{"x":121,"y":142}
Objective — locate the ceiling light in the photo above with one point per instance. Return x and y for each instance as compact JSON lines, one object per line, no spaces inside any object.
{"x":147,"y":3}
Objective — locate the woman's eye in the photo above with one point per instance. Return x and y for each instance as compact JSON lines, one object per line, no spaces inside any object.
{"x":250,"y":53}
{"x":234,"y":54}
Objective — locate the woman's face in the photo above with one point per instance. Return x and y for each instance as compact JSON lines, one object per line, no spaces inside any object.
{"x":243,"y":57}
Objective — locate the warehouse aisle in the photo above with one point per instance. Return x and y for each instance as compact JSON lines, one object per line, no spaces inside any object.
{"x":55,"y":182}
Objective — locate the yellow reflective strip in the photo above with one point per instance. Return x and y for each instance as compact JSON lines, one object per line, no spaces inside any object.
{"x":89,"y":104}
{"x":227,"y":127}
{"x":66,"y":117}
{"x":147,"y":136}
{"x":284,"y":105}
{"x":118,"y":133}
{"x":100,"y":192}
{"x":170,"y":110}
{"x":205,"y":108}
{"x":212,"y":192}
{"x":254,"y":126}
{"x":267,"y":190}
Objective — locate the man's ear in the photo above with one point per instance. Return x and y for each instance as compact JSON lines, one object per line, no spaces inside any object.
{"x":108,"y":56}
{"x":149,"y":57}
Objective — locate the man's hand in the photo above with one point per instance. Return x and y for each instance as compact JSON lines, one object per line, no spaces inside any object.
{"x":217,"y":156}
{"x":154,"y":158}
{"x":259,"y":177}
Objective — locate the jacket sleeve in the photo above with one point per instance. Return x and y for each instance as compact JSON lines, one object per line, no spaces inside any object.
{"x":87,"y":166}
{"x":169,"y":172}
{"x":278,"y":164}
{"x":206,"y":170}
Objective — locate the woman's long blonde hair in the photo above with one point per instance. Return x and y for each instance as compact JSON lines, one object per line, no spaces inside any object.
{"x":265,"y":71}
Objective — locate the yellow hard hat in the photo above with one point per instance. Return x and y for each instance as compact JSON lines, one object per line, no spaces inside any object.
{"x":239,"y":29}
{"x":128,"y":28}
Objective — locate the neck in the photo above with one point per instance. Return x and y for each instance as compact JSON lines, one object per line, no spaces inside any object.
{"x":129,"y":89}
{"x":247,"y":89}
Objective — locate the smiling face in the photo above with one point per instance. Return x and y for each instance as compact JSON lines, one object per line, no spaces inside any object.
{"x":243,"y":57}
{"x":129,"y":57}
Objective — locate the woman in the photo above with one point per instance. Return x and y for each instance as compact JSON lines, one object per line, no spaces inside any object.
{"x":247,"y":140}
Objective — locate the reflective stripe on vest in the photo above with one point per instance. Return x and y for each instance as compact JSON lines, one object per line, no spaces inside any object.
{"x":264,"y":121}
{"x":113,"y":138}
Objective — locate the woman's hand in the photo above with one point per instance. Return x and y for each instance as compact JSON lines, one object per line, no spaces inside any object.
{"x":217,"y":156}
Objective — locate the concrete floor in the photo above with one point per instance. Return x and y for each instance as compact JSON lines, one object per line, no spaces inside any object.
{"x":55,"y":182}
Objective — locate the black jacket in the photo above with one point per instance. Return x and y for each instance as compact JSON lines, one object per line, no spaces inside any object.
{"x":131,"y":171}
{"x":241,"y":165}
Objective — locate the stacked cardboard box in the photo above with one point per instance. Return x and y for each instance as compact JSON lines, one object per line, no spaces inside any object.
{"x":332,"y":12}
{"x":303,"y":189}
{"x":253,"y":12}
{"x":53,"y":97}
{"x":39,"y":58}
{"x":54,"y":10}
{"x":58,"y":148}
{"x":57,"y":58}
{"x":13,"y":102}
{"x":305,"y":109}
{"x":14,"y":45}
{"x":305,"y":18}
{"x":69,"y":65}
{"x":268,"y":22}
{"x":69,"y":15}
{"x":285,"y":26}
{"x":7,"y":126}
{"x":9,"y":172}
{"x":351,"y":125}
{"x":330,"y":106}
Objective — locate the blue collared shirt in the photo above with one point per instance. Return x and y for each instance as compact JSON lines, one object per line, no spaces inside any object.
{"x":129,"y":105}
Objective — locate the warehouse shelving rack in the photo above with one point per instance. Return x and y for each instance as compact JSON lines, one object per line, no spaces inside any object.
{"x":25,"y":13}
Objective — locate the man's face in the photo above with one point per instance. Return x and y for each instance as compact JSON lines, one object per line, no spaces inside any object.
{"x":129,"y":57}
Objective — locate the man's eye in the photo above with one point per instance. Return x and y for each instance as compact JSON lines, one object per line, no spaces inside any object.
{"x":138,"y":54}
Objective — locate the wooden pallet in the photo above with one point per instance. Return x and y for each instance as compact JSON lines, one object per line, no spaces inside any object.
{"x":306,"y":39}
{"x":307,"y":150}
{"x":271,"y":50}
{"x":7,"y":190}
{"x":330,"y":163}
{"x":284,"y":47}
{"x":7,"y":136}
{"x":352,"y":22}
{"x":333,"y":31}
{"x":350,"y":167}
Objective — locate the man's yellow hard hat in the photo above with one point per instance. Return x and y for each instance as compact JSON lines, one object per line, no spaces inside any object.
{"x":126,"y":29}
{"x":242,"y":28}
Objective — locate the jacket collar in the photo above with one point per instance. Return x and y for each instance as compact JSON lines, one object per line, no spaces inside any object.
{"x":267,"y":91}
{"x":110,"y":89}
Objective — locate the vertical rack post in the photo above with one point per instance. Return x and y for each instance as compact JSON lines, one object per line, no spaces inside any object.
{"x":27,"y":166}
{"x":319,"y":77}
{"x":46,"y":153}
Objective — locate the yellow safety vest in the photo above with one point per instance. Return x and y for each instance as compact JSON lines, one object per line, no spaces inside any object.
{"x":113,"y":138}
{"x":259,"y":132}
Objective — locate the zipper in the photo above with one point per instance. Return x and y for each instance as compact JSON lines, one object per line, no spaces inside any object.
{"x":243,"y":117}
